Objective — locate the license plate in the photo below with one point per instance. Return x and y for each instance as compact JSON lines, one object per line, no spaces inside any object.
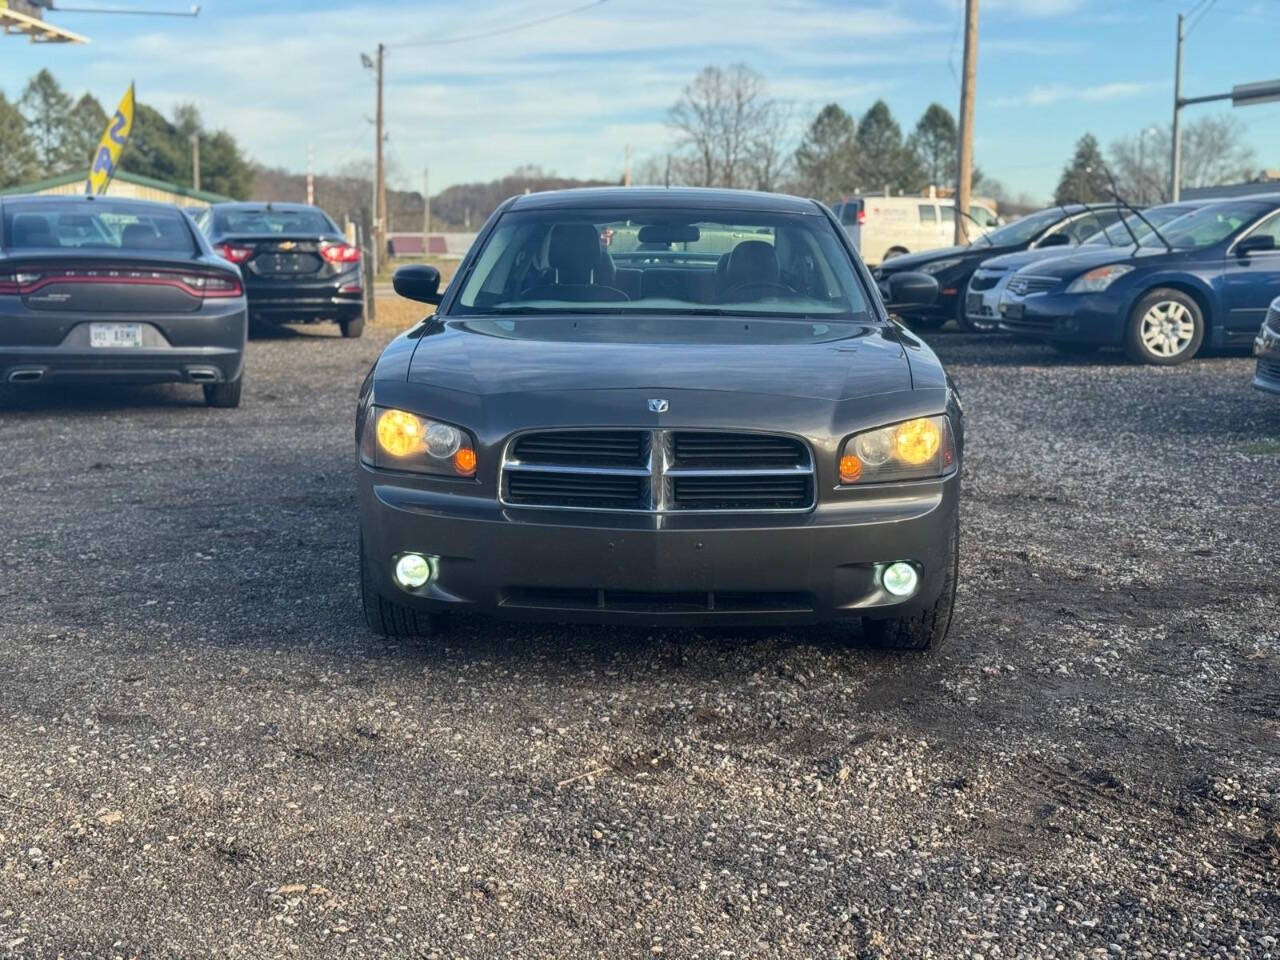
{"x":115,"y":334}
{"x":285,"y":263}
{"x":1011,"y":310}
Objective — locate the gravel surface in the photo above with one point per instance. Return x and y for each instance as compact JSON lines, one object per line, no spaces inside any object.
{"x":203,"y":752}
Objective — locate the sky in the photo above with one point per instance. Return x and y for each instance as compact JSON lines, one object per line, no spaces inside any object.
{"x":570,"y":95}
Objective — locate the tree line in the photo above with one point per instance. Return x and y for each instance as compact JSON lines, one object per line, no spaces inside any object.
{"x":46,"y":132}
{"x":729,"y":132}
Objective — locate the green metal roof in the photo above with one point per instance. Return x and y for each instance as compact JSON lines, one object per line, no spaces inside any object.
{"x":136,"y":179}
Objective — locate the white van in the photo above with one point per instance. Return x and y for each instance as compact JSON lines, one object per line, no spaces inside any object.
{"x":884,"y":227}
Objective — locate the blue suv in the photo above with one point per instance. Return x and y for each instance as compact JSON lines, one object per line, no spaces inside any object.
{"x":1206,"y":277}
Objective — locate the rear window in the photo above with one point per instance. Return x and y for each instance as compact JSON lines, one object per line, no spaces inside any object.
{"x":97,"y":226}
{"x":265,"y":222}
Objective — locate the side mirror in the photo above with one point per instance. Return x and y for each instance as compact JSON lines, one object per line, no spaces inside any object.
{"x":909,"y":289}
{"x":1255,"y":243}
{"x":418,"y":281}
{"x":1055,"y":240}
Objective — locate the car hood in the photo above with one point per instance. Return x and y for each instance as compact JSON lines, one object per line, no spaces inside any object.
{"x":829,"y":360}
{"x":915,"y":261}
{"x":1012,"y":261}
{"x":1088,"y":258}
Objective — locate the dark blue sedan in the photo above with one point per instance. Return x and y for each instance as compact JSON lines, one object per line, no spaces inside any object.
{"x":1205,"y":278}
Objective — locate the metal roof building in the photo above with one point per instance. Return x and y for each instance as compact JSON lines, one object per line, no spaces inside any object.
{"x":125,"y":184}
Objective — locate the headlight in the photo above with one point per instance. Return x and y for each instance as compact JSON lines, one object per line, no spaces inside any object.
{"x":1097,"y":280}
{"x":911,"y":450}
{"x":398,"y":440}
{"x":939,"y":265}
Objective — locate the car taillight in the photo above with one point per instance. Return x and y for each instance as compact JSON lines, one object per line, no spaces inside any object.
{"x":212,"y":286}
{"x":862,"y":217}
{"x":8,"y":283}
{"x":233,"y":253}
{"x":340,"y":252}
{"x":15,"y":282}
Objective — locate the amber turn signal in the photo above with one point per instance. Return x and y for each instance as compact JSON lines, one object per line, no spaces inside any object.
{"x":464,"y":461}
{"x":850,"y":468}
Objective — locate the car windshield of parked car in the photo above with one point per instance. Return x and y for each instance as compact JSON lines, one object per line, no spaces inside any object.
{"x":1122,"y":234}
{"x":100,"y":226}
{"x":267,"y":222}
{"x":1206,"y":226}
{"x":1023,"y":230}
{"x":669,"y":260}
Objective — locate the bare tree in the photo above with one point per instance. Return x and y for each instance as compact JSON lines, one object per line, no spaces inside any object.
{"x":729,"y":131}
{"x":1213,"y":152}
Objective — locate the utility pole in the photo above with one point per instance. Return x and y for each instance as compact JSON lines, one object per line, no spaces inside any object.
{"x":195,"y":161}
{"x":626,"y":169}
{"x":380,"y":214}
{"x":968,"y":88}
{"x":1175,"y":166}
{"x":311,"y":177}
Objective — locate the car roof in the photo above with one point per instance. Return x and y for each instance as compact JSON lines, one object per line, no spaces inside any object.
{"x":85,"y":200}
{"x":660,"y":197}
{"x":262,"y":205}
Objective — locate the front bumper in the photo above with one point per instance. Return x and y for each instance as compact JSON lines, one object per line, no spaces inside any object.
{"x":603,"y":567}
{"x":1266,"y":347}
{"x":1075,"y":318}
{"x":983,"y":305}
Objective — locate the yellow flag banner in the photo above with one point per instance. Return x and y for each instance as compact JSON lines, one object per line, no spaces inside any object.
{"x":107,"y":156}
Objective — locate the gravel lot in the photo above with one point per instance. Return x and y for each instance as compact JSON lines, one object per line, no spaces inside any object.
{"x":203,"y":752}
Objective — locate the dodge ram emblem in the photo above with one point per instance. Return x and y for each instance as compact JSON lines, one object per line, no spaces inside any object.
{"x":658,"y":406}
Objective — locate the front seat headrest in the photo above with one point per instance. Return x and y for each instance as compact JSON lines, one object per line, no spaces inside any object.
{"x":752,"y":261}
{"x":31,"y":230}
{"x":574,"y":252}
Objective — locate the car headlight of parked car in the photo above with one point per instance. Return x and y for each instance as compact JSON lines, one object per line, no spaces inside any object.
{"x":399,"y":440}
{"x":1098,"y":279}
{"x":912,"y":450}
{"x":938,"y":266}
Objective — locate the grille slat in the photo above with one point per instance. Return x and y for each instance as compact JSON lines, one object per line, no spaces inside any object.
{"x":689,"y":470}
{"x":1023,"y":286}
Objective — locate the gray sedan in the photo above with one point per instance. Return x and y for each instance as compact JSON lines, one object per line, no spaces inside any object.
{"x":98,"y":290}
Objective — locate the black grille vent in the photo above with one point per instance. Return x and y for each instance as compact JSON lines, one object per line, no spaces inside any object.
{"x":728,"y":492}
{"x":607,"y":491}
{"x":743,"y":450}
{"x":983,"y":280}
{"x":1269,"y":368}
{"x":609,"y":448}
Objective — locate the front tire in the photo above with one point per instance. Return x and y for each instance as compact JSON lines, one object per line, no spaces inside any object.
{"x":926,"y":630}
{"x":1166,"y":328}
{"x":351,"y":329}
{"x":224,"y":396}
{"x":388,"y":618}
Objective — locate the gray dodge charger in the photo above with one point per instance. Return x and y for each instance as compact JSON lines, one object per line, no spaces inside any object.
{"x":661,"y":406}
{"x":100,"y":290}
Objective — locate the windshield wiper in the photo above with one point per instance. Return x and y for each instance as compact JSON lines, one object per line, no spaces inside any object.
{"x":1137,"y":213}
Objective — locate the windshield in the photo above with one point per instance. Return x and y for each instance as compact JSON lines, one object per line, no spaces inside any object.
{"x":272,"y":221}
{"x":1208,"y":225}
{"x":670,"y":260}
{"x":1021,"y":231}
{"x":1117,"y":235}
{"x":97,"y":226}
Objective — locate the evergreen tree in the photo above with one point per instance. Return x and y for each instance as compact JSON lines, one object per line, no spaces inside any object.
{"x":155,"y":149}
{"x":223,"y":168}
{"x":18,"y":161}
{"x":883,"y":160}
{"x":1082,"y":178}
{"x":86,"y":123}
{"x":47,"y":108}
{"x":825,"y":158}
{"x":933,"y":143}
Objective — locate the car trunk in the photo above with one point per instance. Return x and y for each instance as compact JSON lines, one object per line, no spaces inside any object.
{"x":74,"y":283}
{"x":284,"y":258}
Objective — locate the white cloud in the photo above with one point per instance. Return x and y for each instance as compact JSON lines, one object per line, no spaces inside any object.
{"x":1039,"y":96}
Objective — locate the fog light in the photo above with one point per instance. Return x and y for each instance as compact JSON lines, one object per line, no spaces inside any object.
{"x":900,"y":579}
{"x":413,"y":570}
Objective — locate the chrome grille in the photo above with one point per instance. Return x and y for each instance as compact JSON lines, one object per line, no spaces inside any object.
{"x":1023,"y":286}
{"x":658,"y":471}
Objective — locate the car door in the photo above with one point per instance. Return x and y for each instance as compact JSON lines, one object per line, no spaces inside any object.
{"x":1252,"y":279}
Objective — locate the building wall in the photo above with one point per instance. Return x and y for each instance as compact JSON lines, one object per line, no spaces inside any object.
{"x":131,"y":191}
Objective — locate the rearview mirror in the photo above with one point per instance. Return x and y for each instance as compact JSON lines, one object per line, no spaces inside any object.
{"x":1255,"y":243}
{"x":418,"y":281}
{"x":909,"y":289}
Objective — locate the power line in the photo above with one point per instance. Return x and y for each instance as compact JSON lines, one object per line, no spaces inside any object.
{"x":512,"y":28}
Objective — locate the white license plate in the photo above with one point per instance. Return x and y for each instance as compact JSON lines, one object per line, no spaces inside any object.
{"x":115,"y":334}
